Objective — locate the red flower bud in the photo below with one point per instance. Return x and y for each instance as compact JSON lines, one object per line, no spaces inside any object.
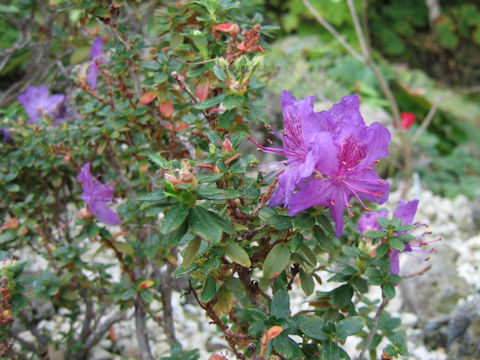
{"x":408,"y":119}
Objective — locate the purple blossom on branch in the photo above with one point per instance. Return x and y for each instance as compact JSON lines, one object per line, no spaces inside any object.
{"x":38,"y":103}
{"x":405,"y":211}
{"x":98,"y":196}
{"x":330,"y":158}
{"x":345,"y":168}
{"x":300,"y":135}
{"x":96,"y":53}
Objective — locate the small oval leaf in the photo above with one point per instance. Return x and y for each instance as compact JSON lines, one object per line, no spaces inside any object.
{"x":237,"y":254}
{"x":276,"y":261}
{"x":191,"y":252}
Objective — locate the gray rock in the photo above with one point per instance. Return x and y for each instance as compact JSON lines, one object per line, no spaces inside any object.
{"x":463,"y":332}
{"x":437,"y":291}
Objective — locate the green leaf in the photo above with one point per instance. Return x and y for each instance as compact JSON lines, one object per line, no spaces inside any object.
{"x":208,"y":224}
{"x":342,"y":296}
{"x":396,"y":243}
{"x":101,"y":12}
{"x":191,"y":252}
{"x":284,"y":345}
{"x":376,"y":234}
{"x":309,"y":255}
{"x":281,"y":222}
{"x":213,"y":193}
{"x":159,"y":160}
{"x":349,"y":326}
{"x":209,"y":290}
{"x":125,"y":248}
{"x":237,"y":254}
{"x":303,"y":220}
{"x":209,"y":103}
{"x":7,"y":236}
{"x":296,"y":242}
{"x":360,"y":284}
{"x":80,"y":54}
{"x":233,"y":101}
{"x":323,"y":240}
{"x":277,"y":260}
{"x":219,"y":73}
{"x":151,"y":65}
{"x":306,"y":280}
{"x":174,"y":218}
{"x":375,"y":277}
{"x":312,"y":327}
{"x":20,"y":301}
{"x":175,"y":236}
{"x":330,"y":351}
{"x":383,"y":222}
{"x":234,"y":285}
{"x":388,"y":290}
{"x":224,"y":301}
{"x":9,"y":9}
{"x":382,"y":250}
{"x":280,"y":306}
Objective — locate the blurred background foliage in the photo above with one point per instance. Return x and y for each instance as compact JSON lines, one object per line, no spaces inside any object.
{"x":428,"y":50}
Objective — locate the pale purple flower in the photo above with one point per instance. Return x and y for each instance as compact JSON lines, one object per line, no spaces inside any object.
{"x":345,"y":168}
{"x":98,"y":196}
{"x":6,"y":137}
{"x":38,"y":103}
{"x":96,"y":52}
{"x":300,"y":138}
{"x":405,"y":211}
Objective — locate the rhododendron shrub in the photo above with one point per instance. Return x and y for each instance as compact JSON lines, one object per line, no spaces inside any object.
{"x":149,"y":182}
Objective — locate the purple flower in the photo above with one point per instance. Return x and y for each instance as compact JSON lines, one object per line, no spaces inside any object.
{"x":38,"y":103}
{"x":345,"y":168}
{"x":405,"y":211}
{"x":300,"y":137}
{"x":6,"y":137}
{"x":96,"y":52}
{"x":97,"y":196}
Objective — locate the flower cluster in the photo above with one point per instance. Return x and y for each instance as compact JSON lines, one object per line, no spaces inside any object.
{"x":330,"y":157}
{"x":405,"y":211}
{"x":39,"y":103}
{"x":98,"y":196}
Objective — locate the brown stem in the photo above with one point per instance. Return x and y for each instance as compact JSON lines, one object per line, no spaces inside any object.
{"x":208,"y":307}
{"x":141,"y":330}
{"x":374,"y":327}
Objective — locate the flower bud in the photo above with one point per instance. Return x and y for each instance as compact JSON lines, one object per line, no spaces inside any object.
{"x":227,"y":146}
{"x":11,"y":224}
{"x":85,"y":214}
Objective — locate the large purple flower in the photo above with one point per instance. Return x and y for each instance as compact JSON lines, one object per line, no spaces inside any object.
{"x":96,"y":53}
{"x":345,"y":168}
{"x":38,"y":103}
{"x":300,"y":138}
{"x":405,"y":211}
{"x":97,"y":196}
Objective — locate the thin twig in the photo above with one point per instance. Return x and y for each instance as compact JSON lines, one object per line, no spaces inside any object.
{"x":95,"y":338}
{"x":374,"y":327}
{"x":141,"y":330}
{"x":192,"y":63}
{"x":397,"y":120}
{"x":332,"y":31}
{"x":265,"y":197}
{"x":433,"y":110}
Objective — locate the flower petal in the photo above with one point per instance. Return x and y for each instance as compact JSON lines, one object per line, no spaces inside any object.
{"x":406,"y":211}
{"x":107,"y":216}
